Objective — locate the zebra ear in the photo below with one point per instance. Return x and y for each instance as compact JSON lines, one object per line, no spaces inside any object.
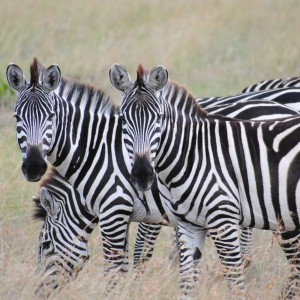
{"x":51,"y":78}
{"x":120,"y":78}
{"x":158,"y":78}
{"x":15,"y":77}
{"x":48,"y":203}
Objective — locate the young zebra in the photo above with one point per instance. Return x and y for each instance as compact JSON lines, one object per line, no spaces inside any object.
{"x":221,"y":172}
{"x":63,"y":240}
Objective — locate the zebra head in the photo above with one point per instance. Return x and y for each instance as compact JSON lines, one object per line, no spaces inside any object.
{"x":141,"y":112}
{"x":34,"y":113}
{"x":63,"y":240}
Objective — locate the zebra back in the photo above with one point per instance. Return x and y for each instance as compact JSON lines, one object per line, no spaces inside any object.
{"x":273,"y":84}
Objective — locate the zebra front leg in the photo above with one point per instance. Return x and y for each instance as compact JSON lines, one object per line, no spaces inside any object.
{"x":246,"y":244}
{"x":191,"y":241}
{"x":114,"y":236}
{"x":145,"y":241}
{"x":226,"y":240}
{"x":290,"y":243}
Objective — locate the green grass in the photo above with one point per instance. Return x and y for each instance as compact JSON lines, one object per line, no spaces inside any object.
{"x":213,"y":47}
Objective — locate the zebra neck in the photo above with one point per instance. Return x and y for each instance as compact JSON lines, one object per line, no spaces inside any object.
{"x":181,"y":138}
{"x":81,"y":132}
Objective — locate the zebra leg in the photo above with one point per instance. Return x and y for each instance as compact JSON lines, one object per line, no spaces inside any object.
{"x":146,"y":238}
{"x":175,"y":250}
{"x":191,"y":241}
{"x":114,"y":232}
{"x":290,"y":242}
{"x":226,"y":240}
{"x":246,"y":244}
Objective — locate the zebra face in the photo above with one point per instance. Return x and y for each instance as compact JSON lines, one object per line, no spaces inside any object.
{"x":141,"y":112}
{"x":63,"y":245}
{"x":34,"y":113}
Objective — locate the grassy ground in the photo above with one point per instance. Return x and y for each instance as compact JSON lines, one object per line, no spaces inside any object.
{"x":214,"y":47}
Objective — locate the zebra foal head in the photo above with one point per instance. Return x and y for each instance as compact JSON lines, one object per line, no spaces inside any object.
{"x":141,"y":112}
{"x":34,"y":113}
{"x":63,"y":240}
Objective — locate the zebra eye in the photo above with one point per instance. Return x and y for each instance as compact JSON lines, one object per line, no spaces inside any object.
{"x":123,"y":119}
{"x":159,"y":119}
{"x":46,"y":244}
{"x":51,"y":116}
{"x":17,"y":117}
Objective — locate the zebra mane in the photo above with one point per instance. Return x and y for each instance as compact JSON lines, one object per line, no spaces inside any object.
{"x":83,"y":92}
{"x":35,"y":68}
{"x":96,"y":97}
{"x":141,"y":75}
{"x":174,"y":89}
{"x":40,"y":212}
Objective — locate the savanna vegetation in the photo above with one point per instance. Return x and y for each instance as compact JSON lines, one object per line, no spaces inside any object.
{"x":213,"y":47}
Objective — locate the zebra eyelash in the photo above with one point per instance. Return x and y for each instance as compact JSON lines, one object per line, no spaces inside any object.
{"x":122,"y":119}
{"x":17,"y":117}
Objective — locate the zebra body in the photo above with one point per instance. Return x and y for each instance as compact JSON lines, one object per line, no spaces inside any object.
{"x":221,"y":172}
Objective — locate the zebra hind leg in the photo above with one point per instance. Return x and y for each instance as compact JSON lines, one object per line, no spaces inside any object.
{"x":290,"y":243}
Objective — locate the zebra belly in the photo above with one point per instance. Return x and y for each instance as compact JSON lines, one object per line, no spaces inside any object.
{"x":262,"y":214}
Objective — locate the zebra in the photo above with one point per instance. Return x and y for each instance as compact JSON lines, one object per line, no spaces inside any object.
{"x":63,"y":240}
{"x":254,"y":108}
{"x":77,"y":129}
{"x":272,"y":84}
{"x":54,"y":106}
{"x":221,"y":172}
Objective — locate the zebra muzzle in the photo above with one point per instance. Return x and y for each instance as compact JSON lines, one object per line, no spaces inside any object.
{"x":142,"y":173}
{"x":34,"y":165}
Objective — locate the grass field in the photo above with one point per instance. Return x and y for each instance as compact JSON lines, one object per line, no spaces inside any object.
{"x":213,"y":47}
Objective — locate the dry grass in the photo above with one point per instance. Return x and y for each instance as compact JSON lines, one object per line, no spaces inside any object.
{"x":214,"y":47}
